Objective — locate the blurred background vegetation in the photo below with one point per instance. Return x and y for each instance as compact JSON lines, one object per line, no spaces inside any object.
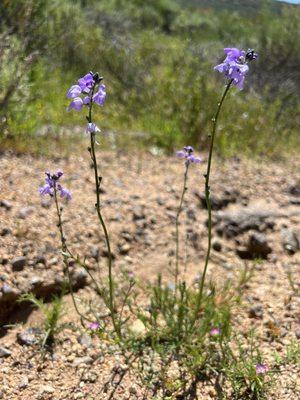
{"x":157,"y":58}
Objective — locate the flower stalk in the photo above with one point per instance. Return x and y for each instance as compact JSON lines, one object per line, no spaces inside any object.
{"x":208,"y":201}
{"x":98,"y":179}
{"x":184,"y":189}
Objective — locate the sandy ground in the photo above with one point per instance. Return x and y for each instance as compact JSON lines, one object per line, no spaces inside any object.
{"x":140,"y":199}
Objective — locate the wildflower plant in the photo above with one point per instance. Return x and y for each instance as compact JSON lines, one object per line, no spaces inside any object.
{"x":190,"y":326}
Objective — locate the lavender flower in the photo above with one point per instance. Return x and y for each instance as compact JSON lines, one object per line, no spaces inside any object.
{"x":215,"y":332}
{"x":76,"y":104}
{"x":235,"y":66}
{"x":86,"y":82}
{"x":85,"y":87}
{"x":261,"y":369}
{"x":187,"y":153}
{"x":92,"y":128}
{"x":99,"y":97}
{"x":51,"y":185}
{"x":93,"y":326}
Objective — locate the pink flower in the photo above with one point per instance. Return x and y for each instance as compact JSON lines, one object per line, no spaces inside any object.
{"x":93,"y":326}
{"x":261,"y":369}
{"x":215,"y":332}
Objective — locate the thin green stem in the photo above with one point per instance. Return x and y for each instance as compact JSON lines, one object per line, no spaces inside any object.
{"x":208,"y":202}
{"x":65,"y":253}
{"x":98,"y":180}
{"x":184,"y":189}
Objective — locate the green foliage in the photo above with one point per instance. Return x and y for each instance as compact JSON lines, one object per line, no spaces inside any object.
{"x":157,"y":61}
{"x":52,"y":315}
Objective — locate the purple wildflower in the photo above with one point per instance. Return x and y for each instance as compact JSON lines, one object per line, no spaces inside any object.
{"x":187,"y":153}
{"x":74,"y":91}
{"x":235,"y":66}
{"x":81,"y":93}
{"x":99,"y":97}
{"x":215,"y":332}
{"x":86,"y":82}
{"x":93,"y":326}
{"x":76,"y":104}
{"x":92,"y":128}
{"x":130,"y":275}
{"x":51,"y":185}
{"x":64,"y":193}
{"x":261,"y":369}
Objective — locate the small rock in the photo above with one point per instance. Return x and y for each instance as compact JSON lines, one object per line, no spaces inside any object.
{"x":160,"y":201}
{"x":138,"y":213}
{"x":87,"y":360}
{"x":85,"y":340}
{"x":294,"y":190}
{"x":124,"y":249}
{"x":4,"y":352}
{"x":5,"y":231}
{"x":256,"y":312}
{"x":24,"y":383}
{"x":289,"y":240}
{"x":191,"y":214}
{"x":40,"y":259}
{"x":297,"y":333}
{"x":25,"y":212}
{"x":95,"y":253}
{"x":29,"y":336}
{"x":138,"y":328}
{"x":257,"y":247}
{"x":5,"y":204}
{"x":216,"y":245}
{"x":19,"y":263}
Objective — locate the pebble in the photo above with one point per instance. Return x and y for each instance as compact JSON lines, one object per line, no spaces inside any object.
{"x":25,"y":212}
{"x":24,"y":383}
{"x":87,"y":360}
{"x":19,"y":263}
{"x":5,"y":204}
{"x":256,"y":312}
{"x":29,"y":336}
{"x":4,"y":352}
{"x":297,"y":333}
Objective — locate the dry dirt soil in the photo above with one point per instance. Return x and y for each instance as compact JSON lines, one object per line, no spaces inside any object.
{"x":256,"y":215}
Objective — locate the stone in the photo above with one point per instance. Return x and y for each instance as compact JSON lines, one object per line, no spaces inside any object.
{"x":124,"y":249}
{"x":289,"y":240}
{"x":138,"y":213}
{"x":86,"y":360}
{"x":19,"y":263}
{"x":85,"y":340}
{"x":5,"y":204}
{"x":25,"y":212}
{"x":4,"y":352}
{"x":95,"y":253}
{"x":138,"y":328}
{"x":256,"y":247}
{"x":218,"y":202}
{"x":256,"y":312}
{"x":24,"y":383}
{"x":29,"y":337}
{"x":5,"y":232}
{"x":243,"y":219}
{"x":41,"y":259}
{"x":216,"y":245}
{"x":297,"y":333}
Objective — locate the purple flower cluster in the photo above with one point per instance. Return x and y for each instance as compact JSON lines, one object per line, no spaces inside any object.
{"x":235,"y":65}
{"x":261,"y":369}
{"x":187,"y":153}
{"x":86,"y":88}
{"x":52,"y":184}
